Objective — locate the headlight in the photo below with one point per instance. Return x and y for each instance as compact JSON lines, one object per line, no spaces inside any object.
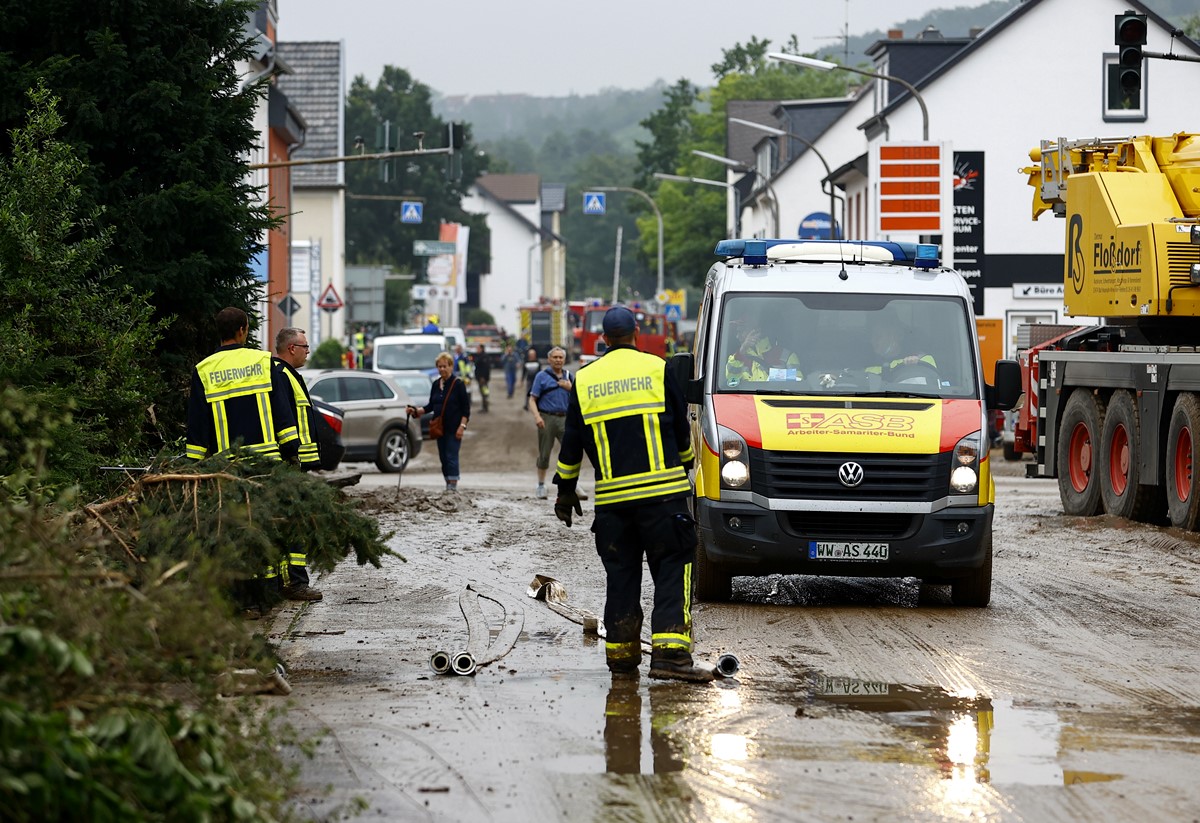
{"x":735,"y":474}
{"x":964,"y":465}
{"x":735,"y":459}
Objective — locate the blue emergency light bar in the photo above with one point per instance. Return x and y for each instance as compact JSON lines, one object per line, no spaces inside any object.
{"x":754,"y":251}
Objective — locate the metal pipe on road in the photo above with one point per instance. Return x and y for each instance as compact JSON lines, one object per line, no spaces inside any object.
{"x":439,"y":661}
{"x":463,"y":663}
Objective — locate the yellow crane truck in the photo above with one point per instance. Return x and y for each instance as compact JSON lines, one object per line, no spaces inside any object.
{"x":1113,"y":410}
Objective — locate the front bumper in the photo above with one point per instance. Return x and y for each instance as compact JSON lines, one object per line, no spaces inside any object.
{"x":743,"y":538}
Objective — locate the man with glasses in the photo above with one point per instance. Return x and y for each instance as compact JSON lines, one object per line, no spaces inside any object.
{"x":291,"y":353}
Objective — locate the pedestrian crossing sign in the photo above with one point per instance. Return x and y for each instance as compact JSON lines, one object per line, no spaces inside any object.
{"x":593,"y":202}
{"x":411,"y":211}
{"x":674,"y":312}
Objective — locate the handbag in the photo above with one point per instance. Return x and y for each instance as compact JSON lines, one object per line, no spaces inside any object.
{"x":436,"y":427}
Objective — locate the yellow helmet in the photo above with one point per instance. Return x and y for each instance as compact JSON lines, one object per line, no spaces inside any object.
{"x":433,"y":318}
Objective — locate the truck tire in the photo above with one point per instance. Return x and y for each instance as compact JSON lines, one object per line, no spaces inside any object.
{"x":975,"y":590}
{"x":713,"y":584}
{"x":1183,"y":463}
{"x":1079,"y":439}
{"x":1010,"y":451}
{"x":1121,"y":488}
{"x":391,"y":455}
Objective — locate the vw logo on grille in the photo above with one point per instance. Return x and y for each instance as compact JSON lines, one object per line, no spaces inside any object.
{"x":850,"y":474}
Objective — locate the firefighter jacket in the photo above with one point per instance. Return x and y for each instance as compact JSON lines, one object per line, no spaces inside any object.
{"x":629,"y":416}
{"x":304,"y":449}
{"x":236,"y":397}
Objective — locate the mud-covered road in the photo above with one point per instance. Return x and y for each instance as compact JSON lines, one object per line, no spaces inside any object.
{"x":1074,"y":697}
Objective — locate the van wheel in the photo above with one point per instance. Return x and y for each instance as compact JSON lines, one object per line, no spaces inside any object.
{"x":713,"y":583}
{"x":975,"y":590}
{"x":1079,"y":439}
{"x":391,"y":456}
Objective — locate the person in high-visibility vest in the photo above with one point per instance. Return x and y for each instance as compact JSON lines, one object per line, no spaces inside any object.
{"x":627,"y":413}
{"x":237,"y":399}
{"x":360,"y":346}
{"x":291,"y":353}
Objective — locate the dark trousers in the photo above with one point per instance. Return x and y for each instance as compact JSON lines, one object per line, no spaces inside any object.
{"x":448,"y":447}
{"x":664,"y":533}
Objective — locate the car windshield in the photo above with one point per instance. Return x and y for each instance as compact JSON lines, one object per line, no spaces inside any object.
{"x":845,"y":344}
{"x":417,"y":385}
{"x":417,"y":355}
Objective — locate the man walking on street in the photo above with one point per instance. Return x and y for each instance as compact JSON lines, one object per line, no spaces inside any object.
{"x":629,"y":416}
{"x":291,"y":353}
{"x":548,"y":397}
{"x":510,"y":361}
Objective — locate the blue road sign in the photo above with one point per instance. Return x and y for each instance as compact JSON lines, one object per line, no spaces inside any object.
{"x":411,"y":211}
{"x":674,"y":311}
{"x":593,"y":202}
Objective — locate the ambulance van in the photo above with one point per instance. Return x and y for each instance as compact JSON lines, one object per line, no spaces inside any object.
{"x":839,"y":417}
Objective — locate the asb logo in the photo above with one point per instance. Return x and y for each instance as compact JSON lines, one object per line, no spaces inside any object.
{"x":840,"y":422}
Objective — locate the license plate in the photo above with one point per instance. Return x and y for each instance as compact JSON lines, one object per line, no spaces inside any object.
{"x":849,"y":687}
{"x":822,"y":550}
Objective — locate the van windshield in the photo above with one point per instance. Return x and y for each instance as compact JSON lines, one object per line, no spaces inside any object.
{"x":401,"y":356}
{"x":845,"y":344}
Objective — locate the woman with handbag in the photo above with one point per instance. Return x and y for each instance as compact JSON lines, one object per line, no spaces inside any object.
{"x":448,"y":396}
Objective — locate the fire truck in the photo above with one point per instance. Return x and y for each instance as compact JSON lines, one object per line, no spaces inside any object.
{"x":655,"y":332}
{"x":544,"y":324}
{"x":1112,"y":410}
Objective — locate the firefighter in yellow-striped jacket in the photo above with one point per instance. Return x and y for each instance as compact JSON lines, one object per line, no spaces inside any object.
{"x":237,"y":397}
{"x":629,"y":416}
{"x":291,"y":353}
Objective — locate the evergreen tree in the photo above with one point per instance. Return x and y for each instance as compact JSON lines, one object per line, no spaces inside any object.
{"x":154,"y":106}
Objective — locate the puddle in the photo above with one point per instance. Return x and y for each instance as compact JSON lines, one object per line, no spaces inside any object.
{"x":970,"y":737}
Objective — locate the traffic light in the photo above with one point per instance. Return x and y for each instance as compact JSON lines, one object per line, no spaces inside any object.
{"x":1130,"y":36}
{"x":455,"y":134}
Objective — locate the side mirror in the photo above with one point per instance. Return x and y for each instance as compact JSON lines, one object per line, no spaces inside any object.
{"x":1007,"y":389}
{"x":682,"y":366}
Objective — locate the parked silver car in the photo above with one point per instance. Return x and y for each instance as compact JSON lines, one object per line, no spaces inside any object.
{"x":417,"y":384}
{"x":376,"y":427}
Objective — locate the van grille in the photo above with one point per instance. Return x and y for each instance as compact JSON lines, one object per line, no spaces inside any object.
{"x":814,"y":476}
{"x":850,"y":525}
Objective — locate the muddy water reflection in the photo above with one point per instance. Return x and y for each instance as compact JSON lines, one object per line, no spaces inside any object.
{"x":968,"y":740}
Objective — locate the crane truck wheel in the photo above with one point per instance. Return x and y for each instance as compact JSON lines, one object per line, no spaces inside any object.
{"x":1121,"y":487}
{"x":1079,"y":442}
{"x":1183,"y":463}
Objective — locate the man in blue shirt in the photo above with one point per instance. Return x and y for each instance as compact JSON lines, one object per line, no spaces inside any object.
{"x":548,"y":400}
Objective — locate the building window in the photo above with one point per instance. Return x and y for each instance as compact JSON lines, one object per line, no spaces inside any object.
{"x":1120,"y":105}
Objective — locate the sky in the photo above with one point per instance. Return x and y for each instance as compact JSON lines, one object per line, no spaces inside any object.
{"x":555,"y":48}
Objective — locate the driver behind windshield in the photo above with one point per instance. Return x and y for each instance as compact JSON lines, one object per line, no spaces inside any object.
{"x":891,"y":352}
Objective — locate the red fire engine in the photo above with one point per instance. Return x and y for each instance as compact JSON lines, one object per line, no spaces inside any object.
{"x":655,"y":332}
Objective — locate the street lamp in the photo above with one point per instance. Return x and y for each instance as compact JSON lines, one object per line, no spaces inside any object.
{"x":657,"y":215}
{"x":742,"y":167}
{"x":828,"y":173}
{"x":825,"y":65}
{"x":737,"y":197}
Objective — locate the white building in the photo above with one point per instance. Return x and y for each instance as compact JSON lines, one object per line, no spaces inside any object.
{"x":527,"y":252}
{"x":1045,"y":70}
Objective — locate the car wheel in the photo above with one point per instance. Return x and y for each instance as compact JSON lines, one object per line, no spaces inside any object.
{"x":1079,"y":440}
{"x":975,"y":590}
{"x":392,"y":454}
{"x":713,"y":583}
